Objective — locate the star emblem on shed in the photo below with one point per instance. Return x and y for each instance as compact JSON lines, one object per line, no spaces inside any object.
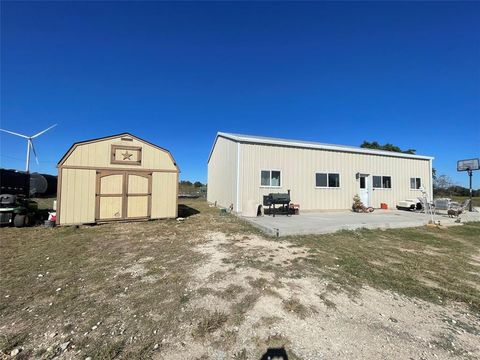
{"x":126,"y":155}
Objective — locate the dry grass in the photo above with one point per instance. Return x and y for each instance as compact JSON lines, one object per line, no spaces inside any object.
{"x":210,"y":323}
{"x":122,"y":288}
{"x":436,"y":265}
{"x":475,"y":199}
{"x":295,"y":306}
{"x":129,"y":277}
{"x":45,"y":203}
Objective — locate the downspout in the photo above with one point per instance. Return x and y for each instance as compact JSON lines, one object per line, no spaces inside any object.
{"x":237,"y":205}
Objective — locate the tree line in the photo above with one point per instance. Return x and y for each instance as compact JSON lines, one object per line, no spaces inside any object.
{"x":187,"y":183}
{"x":443,"y":185}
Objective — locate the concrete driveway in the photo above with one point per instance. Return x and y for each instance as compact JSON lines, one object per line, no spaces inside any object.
{"x":328,"y":222}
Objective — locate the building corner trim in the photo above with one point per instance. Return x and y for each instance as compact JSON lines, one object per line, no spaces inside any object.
{"x":431,"y":179}
{"x":237,"y":205}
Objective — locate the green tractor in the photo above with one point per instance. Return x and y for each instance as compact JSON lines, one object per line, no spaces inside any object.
{"x":20,"y":211}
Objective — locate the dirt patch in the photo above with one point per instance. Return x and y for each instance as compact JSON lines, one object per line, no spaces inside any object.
{"x":475,"y":260}
{"x":310,"y":319}
{"x":271,"y":251}
{"x":211,"y":287}
{"x":211,"y":248}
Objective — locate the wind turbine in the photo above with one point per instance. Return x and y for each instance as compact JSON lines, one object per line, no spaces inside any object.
{"x":29,"y":144}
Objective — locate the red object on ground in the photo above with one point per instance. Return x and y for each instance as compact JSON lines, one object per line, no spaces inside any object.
{"x":383,"y":206}
{"x":295,"y":208}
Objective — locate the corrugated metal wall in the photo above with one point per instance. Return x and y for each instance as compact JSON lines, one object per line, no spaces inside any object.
{"x":222,"y":173}
{"x":299,"y":165}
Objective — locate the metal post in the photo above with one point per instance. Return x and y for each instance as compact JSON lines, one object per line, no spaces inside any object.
{"x":470,"y":173}
{"x":27,"y":165}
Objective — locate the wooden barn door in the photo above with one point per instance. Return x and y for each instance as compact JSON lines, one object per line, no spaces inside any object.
{"x":123,"y":195}
{"x":138,"y":195}
{"x":109,"y":196}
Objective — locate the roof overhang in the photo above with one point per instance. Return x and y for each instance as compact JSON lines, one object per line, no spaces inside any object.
{"x":248,"y":139}
{"x":75,"y":145}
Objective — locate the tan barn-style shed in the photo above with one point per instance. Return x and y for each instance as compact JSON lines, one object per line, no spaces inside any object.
{"x":119,"y":177}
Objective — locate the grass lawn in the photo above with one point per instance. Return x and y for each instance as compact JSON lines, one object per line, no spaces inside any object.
{"x":126,"y":290}
{"x":45,"y":203}
{"x":475,"y":200}
{"x":430,"y":264}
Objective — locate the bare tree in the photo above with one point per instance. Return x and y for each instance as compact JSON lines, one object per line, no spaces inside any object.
{"x":442,"y":185}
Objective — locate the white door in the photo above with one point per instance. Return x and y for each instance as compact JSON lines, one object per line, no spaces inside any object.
{"x":364,"y":191}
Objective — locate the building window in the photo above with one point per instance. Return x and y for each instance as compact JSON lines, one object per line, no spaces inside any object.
{"x":415,"y":183}
{"x":386,"y":182}
{"x":382,"y":182}
{"x":327,"y":180}
{"x":271,"y":178}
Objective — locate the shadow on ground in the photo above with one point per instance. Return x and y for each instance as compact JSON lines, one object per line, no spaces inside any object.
{"x":185,"y":211}
{"x":275,"y":353}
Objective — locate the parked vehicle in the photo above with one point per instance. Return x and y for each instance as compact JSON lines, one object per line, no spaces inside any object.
{"x":20,"y":211}
{"x":16,"y":208}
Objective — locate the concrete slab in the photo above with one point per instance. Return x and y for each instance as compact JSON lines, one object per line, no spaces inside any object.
{"x":329,"y":222}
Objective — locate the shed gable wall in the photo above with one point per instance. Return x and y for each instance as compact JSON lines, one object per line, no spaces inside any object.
{"x":97,"y":154}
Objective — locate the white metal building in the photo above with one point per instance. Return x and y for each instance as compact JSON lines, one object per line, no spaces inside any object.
{"x":243,"y":168}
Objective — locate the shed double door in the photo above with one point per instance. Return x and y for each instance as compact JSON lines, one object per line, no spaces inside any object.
{"x":122,"y":195}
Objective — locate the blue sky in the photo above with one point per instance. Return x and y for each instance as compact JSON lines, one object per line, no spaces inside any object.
{"x":176,"y":73}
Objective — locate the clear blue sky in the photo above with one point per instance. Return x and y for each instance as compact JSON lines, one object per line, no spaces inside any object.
{"x":176,"y":73}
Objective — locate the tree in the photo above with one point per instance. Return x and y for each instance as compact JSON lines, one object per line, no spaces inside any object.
{"x":186,"y":183}
{"x":443,"y":182}
{"x":443,"y":185}
{"x":387,"y":147}
{"x":390,"y":147}
{"x":197,"y":184}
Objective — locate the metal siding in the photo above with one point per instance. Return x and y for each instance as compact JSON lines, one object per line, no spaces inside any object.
{"x":164,"y":195}
{"x":222,"y":173}
{"x":299,"y":165}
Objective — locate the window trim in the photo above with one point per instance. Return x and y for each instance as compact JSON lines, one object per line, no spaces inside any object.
{"x":381,"y":181}
{"x":415,"y":188}
{"x":271,"y":186}
{"x":327,"y":173}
